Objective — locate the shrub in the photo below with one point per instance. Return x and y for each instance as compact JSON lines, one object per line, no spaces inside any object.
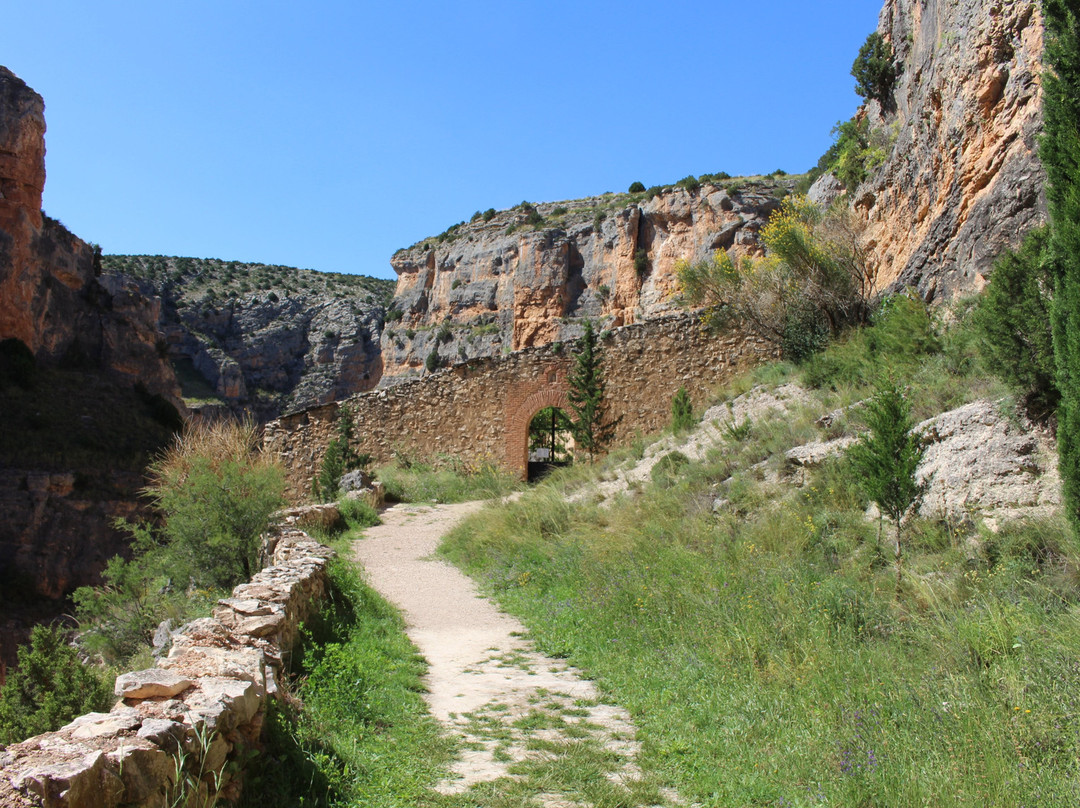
{"x":1013,"y":323}
{"x":689,"y":183}
{"x":341,"y":457}
{"x":444,"y":334}
{"x":559,"y":210}
{"x":48,"y":688}
{"x":358,"y":514}
{"x":682,"y":411}
{"x":475,"y":216}
{"x":667,"y":468}
{"x":455,"y":284}
{"x":433,"y":361}
{"x":489,"y":214}
{"x":393,"y":315}
{"x":216,"y":490}
{"x":815,"y":273}
{"x":874,"y":69}
{"x":636,"y":188}
{"x":641,"y":262}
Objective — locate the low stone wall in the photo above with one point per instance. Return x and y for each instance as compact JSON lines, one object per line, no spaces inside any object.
{"x":479,"y":411}
{"x":177,"y":727}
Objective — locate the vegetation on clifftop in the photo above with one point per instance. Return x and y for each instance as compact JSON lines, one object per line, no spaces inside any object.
{"x":188,"y":280}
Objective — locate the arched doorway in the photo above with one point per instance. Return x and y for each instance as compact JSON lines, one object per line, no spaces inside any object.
{"x":551,"y":443}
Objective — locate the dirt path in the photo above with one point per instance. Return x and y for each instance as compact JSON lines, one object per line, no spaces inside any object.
{"x":513,"y":708}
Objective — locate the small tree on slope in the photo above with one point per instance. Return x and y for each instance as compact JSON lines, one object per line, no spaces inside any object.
{"x":589,"y":425}
{"x":887,"y":457}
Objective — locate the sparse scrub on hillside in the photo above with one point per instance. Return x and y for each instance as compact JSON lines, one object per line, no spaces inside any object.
{"x":812,"y":283}
{"x":722,"y":594}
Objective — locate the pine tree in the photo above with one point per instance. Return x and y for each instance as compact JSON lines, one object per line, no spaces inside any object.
{"x":589,"y":425}
{"x":887,"y":457}
{"x":1060,"y":154}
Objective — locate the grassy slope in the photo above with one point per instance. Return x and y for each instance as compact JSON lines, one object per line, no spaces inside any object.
{"x":763,"y":651}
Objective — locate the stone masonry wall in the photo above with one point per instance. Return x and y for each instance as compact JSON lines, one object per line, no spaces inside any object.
{"x":197,"y":711}
{"x":479,"y":411}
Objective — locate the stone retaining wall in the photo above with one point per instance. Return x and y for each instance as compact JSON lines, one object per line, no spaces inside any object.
{"x":479,"y":411}
{"x":177,"y":727}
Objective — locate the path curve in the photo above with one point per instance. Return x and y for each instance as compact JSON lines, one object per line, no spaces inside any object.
{"x":484,"y":678}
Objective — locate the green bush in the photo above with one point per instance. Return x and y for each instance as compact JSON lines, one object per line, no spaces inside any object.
{"x":216,"y":491}
{"x":358,"y":514}
{"x":689,"y":183}
{"x":433,"y":361}
{"x":489,"y":214}
{"x":341,"y":457}
{"x":393,"y":315}
{"x":874,"y":69}
{"x":641,"y":262}
{"x":49,"y":687}
{"x":1013,"y":323}
{"x":806,"y":332}
{"x":667,"y":468}
{"x":636,"y":188}
{"x":682,"y":411}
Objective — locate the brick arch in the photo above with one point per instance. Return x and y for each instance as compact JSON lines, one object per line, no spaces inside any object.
{"x":552,"y":394}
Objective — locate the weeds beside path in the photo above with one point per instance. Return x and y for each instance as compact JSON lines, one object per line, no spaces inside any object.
{"x":531,"y":731}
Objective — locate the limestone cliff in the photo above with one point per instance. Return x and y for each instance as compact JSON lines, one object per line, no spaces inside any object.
{"x":962,"y":179}
{"x":51,"y":295}
{"x":263,"y":340}
{"x":77,"y":435}
{"x":529,"y":275}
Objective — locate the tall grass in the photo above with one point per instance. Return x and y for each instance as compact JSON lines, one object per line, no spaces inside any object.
{"x":444,"y":479}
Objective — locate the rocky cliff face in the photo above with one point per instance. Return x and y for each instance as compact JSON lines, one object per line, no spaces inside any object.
{"x":263,"y":340}
{"x":529,"y":275}
{"x":51,"y":295}
{"x":76,"y":437}
{"x":962,"y":180}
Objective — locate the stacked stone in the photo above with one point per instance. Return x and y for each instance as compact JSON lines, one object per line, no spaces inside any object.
{"x":176,"y":727}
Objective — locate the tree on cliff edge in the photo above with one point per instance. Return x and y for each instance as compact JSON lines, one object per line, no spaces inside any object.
{"x":1060,"y":154}
{"x":589,"y":424}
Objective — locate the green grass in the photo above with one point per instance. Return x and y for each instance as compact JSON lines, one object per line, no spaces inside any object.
{"x":763,"y":651}
{"x":444,"y":479}
{"x":359,"y":732}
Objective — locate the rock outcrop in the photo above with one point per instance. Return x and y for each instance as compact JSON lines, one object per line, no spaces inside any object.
{"x":529,"y":275}
{"x":186,"y":727}
{"x":95,"y":345}
{"x":262,"y":340}
{"x":51,"y":295}
{"x":962,"y":180}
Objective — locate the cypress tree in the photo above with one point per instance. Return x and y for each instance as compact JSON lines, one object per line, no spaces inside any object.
{"x":589,"y":425}
{"x":1060,"y":153}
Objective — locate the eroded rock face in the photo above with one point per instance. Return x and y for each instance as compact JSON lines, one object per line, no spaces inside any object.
{"x":51,"y":297}
{"x":962,"y":180}
{"x":56,"y":529}
{"x":503,"y":285}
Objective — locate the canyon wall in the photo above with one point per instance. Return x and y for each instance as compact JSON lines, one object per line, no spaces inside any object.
{"x":962,"y":180}
{"x":479,"y":411}
{"x":262,"y":340}
{"x":199,"y":713}
{"x":530,"y":275}
{"x":102,"y":398}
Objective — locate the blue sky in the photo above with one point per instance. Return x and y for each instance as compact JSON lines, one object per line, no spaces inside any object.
{"x":329,"y":134}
